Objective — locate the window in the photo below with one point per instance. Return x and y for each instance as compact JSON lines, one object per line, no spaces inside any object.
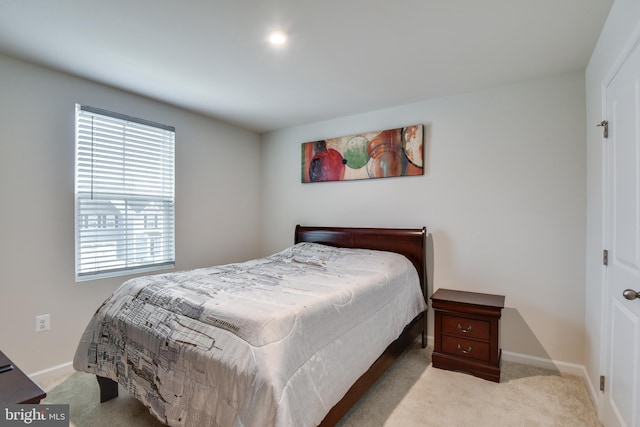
{"x":124,"y":194}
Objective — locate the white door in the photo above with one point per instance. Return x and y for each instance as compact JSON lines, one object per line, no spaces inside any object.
{"x":622,"y":174}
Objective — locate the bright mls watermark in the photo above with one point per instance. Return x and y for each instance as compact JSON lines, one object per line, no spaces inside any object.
{"x":34,"y":415}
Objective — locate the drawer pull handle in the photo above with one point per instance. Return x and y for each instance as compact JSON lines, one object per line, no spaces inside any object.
{"x":462,"y":350}
{"x":464,"y":330}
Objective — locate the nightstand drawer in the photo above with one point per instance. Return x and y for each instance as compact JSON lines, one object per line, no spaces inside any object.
{"x":462,"y":326}
{"x":466,"y":348}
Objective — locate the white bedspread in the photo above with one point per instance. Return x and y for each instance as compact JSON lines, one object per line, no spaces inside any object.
{"x":270,"y":342}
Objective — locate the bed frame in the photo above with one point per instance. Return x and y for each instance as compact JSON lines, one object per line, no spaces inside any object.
{"x":408,"y":242}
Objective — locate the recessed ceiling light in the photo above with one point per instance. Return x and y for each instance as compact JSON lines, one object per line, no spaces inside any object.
{"x":277,"y":38}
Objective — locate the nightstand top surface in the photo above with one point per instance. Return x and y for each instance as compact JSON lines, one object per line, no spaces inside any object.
{"x":16,"y":386}
{"x":464,"y":297}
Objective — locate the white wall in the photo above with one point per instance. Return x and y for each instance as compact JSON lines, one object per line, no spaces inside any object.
{"x":503,"y":195}
{"x":217,"y":203}
{"x":621,"y":28}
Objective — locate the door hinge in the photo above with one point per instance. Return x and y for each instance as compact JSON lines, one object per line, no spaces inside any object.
{"x":601,"y":382}
{"x":605,"y":257}
{"x":605,"y":130}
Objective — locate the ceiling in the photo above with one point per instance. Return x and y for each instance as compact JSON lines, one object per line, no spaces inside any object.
{"x":343,"y":56}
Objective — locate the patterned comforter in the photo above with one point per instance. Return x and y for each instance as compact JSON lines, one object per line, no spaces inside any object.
{"x":275,"y":341}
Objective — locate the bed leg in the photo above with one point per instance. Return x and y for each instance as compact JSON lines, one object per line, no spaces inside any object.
{"x":424,"y":330}
{"x":108,"y":388}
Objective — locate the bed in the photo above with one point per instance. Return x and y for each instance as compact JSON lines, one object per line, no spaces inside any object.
{"x":293,"y":339}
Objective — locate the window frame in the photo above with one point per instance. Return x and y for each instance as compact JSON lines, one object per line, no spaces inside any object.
{"x":117,"y":215}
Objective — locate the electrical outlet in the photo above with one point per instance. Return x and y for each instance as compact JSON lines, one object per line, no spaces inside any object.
{"x":43,"y":322}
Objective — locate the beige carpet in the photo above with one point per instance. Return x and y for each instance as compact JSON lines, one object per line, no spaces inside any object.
{"x":412,"y":393}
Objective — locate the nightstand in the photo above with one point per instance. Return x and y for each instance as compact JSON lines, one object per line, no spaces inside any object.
{"x":16,"y":386}
{"x":466,"y":332}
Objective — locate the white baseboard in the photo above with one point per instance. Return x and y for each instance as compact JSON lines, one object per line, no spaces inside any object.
{"x":562,"y":367}
{"x":594,"y":392}
{"x":541,"y":362}
{"x":430,"y":340}
{"x":51,"y":375}
{"x":553,"y":365}
{"x":48,"y":378}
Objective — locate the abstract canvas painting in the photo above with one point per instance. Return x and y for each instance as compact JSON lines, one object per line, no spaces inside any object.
{"x":381,"y":154}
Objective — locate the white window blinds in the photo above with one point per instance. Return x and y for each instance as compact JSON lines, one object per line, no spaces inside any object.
{"x":124,"y":194}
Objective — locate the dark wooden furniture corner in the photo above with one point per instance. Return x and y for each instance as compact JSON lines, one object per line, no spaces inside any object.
{"x":16,"y":386}
{"x":466,"y":332}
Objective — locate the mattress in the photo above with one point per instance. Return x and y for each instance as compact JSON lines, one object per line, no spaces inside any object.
{"x":275,"y":341}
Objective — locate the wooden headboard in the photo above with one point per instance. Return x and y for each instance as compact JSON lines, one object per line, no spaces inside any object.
{"x":410,"y":242}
